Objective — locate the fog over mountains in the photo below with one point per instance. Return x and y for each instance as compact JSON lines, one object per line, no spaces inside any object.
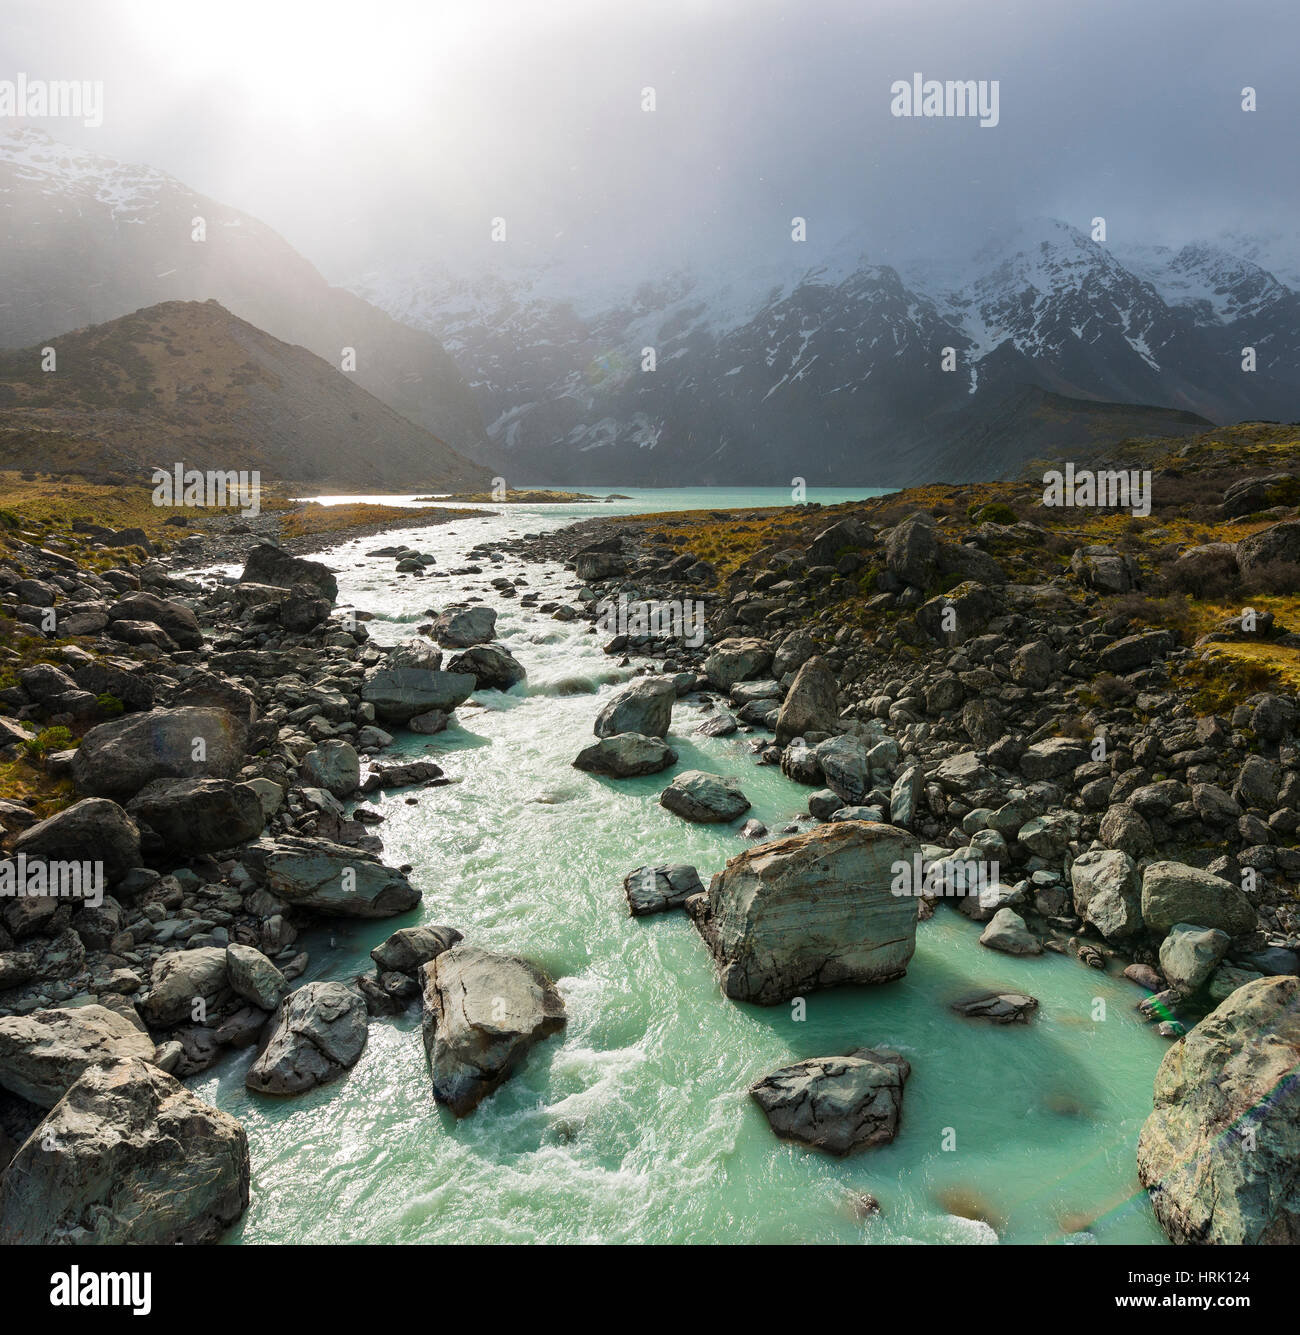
{"x":828,"y":366}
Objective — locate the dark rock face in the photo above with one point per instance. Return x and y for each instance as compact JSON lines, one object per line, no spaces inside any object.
{"x":705,"y":799}
{"x":625,"y":755}
{"x":836,"y":1104}
{"x":92,"y":830}
{"x":645,"y":707}
{"x":136,"y":1159}
{"x":116,"y":759}
{"x":268,"y":564}
{"x":483,"y":1013}
{"x":491,"y":667}
{"x":657,"y":889}
{"x":193,"y":816}
{"x":410,"y":947}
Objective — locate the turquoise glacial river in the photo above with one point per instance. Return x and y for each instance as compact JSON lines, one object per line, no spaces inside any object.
{"x":633,"y":1124}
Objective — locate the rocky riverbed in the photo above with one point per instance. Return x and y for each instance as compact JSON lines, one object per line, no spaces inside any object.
{"x":223,"y":732}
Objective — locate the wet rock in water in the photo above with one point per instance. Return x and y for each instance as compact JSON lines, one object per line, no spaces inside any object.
{"x":1144,"y":976}
{"x":92,"y":830}
{"x":491,"y":667}
{"x":706,"y":799}
{"x":44,"y":1053}
{"x":332,"y":764}
{"x":330,"y":878}
{"x":656,"y":889}
{"x":193,"y":816}
{"x":405,"y":775}
{"x":999,"y":1007}
{"x":253,"y":977}
{"x":836,"y":1104}
{"x":717,"y":725}
{"x":1173,"y":893}
{"x":128,"y":1155}
{"x":483,"y":1012}
{"x":464,"y":627}
{"x":410,"y":947}
{"x":320,"y":1031}
{"x":402,"y":693}
{"x":1007,"y":932}
{"x":645,"y":707}
{"x":811,"y":704}
{"x":810,"y":911}
{"x":1190,"y":954}
{"x":625,"y":755}
{"x":1218,"y":1154}
{"x":753,"y":829}
{"x":118,"y":758}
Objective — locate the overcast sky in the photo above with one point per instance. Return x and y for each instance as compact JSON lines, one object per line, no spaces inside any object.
{"x":371,"y":134}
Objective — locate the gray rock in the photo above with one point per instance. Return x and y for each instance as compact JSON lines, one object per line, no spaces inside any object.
{"x":836,"y":1104}
{"x":998,"y":1007}
{"x":1174,"y":893}
{"x":625,"y":755}
{"x":491,"y":667}
{"x":267,"y":564}
{"x":810,"y":911}
{"x":740,"y":659}
{"x":42,"y":1054}
{"x":1007,"y":932}
{"x":320,"y":1031}
{"x":331,"y":878}
{"x":706,"y":799}
{"x":332,"y":764}
{"x":1190,"y":954}
{"x":254,"y":977}
{"x":645,"y":707}
{"x":92,"y":830}
{"x":483,"y":1013}
{"x":410,"y":947}
{"x":845,"y":768}
{"x":1218,"y":1154}
{"x":657,"y":889}
{"x":462,"y":627}
{"x":194,"y":816}
{"x":179,"y":979}
{"x":1108,"y":892}
{"x":811,"y":704}
{"x":402,"y":693}
{"x":116,"y":759}
{"x":128,"y":1155}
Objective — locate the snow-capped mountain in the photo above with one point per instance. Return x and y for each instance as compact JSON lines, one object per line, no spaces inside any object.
{"x":835,"y":370}
{"x":85,"y":239}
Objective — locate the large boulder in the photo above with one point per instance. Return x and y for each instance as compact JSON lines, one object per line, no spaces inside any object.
{"x":117,"y":758}
{"x":1007,"y":932}
{"x":400,"y":693}
{"x":44,"y":1053}
{"x":706,"y":799}
{"x":912,"y":551}
{"x":1190,"y":954}
{"x":657,"y":889}
{"x":811,"y":911}
{"x":625,"y":755}
{"x":1218,"y":1154}
{"x":836,"y":1104}
{"x":410,"y":947}
{"x":483,"y":1012}
{"x":846,"y":767}
{"x":461,"y":627}
{"x":193,"y":816}
{"x":253,"y":977}
{"x":179,"y":980}
{"x":1279,"y":543}
{"x":645,"y":707}
{"x":92,"y":830}
{"x":1173,"y":893}
{"x":175,"y":618}
{"x":334,"y":765}
{"x":128,"y":1155}
{"x":742,"y":659}
{"x":267,"y":564}
{"x":1108,"y":892}
{"x":811,"y":704}
{"x":331,"y":878}
{"x":491,"y":667}
{"x":320,"y":1031}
